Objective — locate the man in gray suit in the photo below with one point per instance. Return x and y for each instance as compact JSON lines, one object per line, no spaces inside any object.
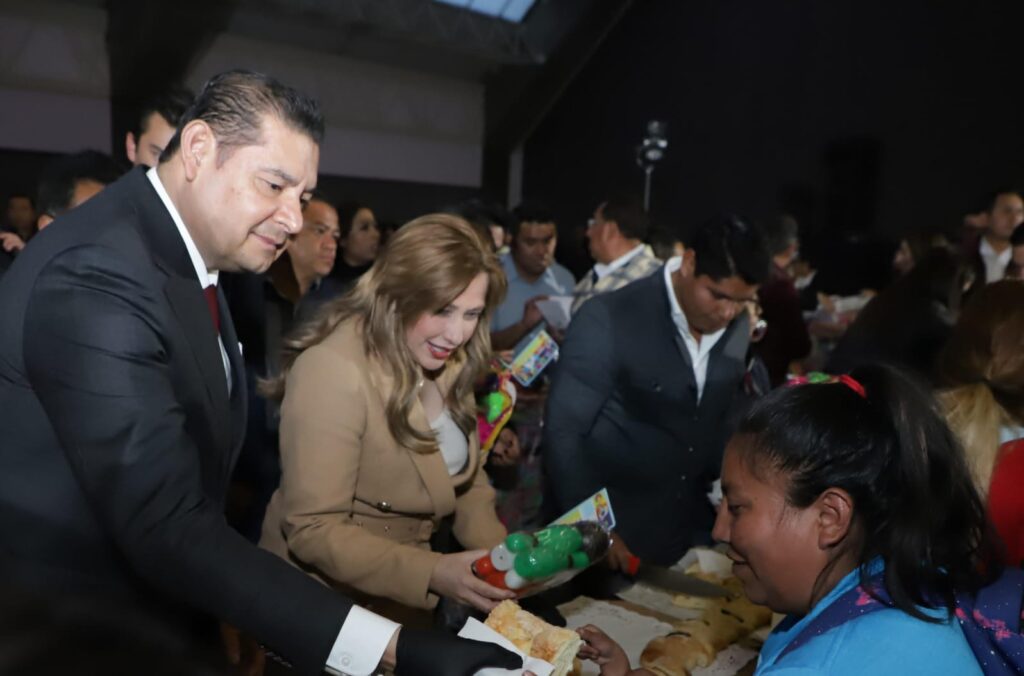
{"x":646,"y":378}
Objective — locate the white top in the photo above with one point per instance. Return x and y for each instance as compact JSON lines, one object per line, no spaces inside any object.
{"x":453,"y":443}
{"x":995,"y":263}
{"x":364,"y":636}
{"x":700,"y":352}
{"x":1010,"y":433}
{"x":603,"y":269}
{"x":206,"y":276}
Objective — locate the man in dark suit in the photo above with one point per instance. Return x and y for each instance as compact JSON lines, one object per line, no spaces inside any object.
{"x":122,"y":393}
{"x":646,"y":377}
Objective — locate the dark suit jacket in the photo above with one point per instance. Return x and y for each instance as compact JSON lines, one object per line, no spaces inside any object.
{"x":623,"y":414}
{"x":119,"y":434}
{"x":6,"y":258}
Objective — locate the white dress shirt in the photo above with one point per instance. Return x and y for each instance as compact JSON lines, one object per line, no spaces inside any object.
{"x":995,"y":263}
{"x":700,"y":352}
{"x":206,"y":276}
{"x":364,"y":636}
{"x":603,"y":269}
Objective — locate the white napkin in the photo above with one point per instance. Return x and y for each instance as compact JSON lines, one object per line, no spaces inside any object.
{"x":557,"y":310}
{"x":478,"y":631}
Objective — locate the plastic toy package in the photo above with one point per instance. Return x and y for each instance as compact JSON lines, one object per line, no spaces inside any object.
{"x":529,"y":563}
{"x":495,"y":407}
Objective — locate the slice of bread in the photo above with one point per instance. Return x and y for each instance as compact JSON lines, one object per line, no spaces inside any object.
{"x":535,"y":637}
{"x":696,"y":643}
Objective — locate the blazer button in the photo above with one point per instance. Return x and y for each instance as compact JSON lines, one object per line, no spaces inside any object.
{"x":656,"y":386}
{"x":387,"y":529}
{"x":683,"y":477}
{"x":690,"y":449}
{"x":384,"y":506}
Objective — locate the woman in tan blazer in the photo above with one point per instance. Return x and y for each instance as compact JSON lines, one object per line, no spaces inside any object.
{"x":378,"y":427}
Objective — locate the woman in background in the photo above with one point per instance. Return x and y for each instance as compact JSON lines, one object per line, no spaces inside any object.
{"x":359,"y":243}
{"x":982,"y":369}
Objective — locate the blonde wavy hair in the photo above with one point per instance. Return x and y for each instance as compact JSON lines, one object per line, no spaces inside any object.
{"x":982,"y":370}
{"x":425,"y":266}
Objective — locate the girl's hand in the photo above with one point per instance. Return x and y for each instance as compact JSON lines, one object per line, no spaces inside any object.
{"x":602,"y":650}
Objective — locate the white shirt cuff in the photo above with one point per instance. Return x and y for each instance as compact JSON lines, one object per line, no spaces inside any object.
{"x":361,"y":643}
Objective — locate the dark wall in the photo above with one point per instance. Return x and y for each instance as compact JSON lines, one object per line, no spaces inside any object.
{"x":19,"y":171}
{"x":397,"y":201}
{"x":860,"y":115}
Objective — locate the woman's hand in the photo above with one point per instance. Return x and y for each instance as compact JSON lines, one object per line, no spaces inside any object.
{"x":11,"y":242}
{"x":453,"y":578}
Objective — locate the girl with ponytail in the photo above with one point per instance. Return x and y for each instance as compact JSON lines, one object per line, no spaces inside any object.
{"x":855,"y":486}
{"x":849,"y":506}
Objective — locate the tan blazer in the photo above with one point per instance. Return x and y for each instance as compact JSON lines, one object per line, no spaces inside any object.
{"x":355,"y":509}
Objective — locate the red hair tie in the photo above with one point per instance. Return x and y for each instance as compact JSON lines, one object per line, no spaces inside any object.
{"x":819,"y":378}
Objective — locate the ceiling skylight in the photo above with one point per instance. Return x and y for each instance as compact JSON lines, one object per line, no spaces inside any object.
{"x":509,"y":10}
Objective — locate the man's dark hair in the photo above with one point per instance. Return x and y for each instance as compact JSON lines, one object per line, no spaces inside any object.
{"x":663,"y":241}
{"x":530,"y":212}
{"x":170,"y":105}
{"x":985,"y":203}
{"x":234,"y":105}
{"x":728,"y":246}
{"x":628,"y":212}
{"x":780,"y":233}
{"x":57,"y":181}
{"x":482,"y":215}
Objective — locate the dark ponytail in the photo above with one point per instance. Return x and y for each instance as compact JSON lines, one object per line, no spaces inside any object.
{"x":891,"y":450}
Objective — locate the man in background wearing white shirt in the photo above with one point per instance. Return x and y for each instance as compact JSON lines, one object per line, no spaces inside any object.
{"x":645,"y":380}
{"x":991,"y":252}
{"x":533,"y":275}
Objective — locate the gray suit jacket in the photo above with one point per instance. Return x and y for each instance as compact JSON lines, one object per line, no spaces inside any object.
{"x":623,"y":414}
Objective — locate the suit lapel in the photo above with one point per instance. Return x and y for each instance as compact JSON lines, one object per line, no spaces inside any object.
{"x":730,"y":350}
{"x":430,"y":466}
{"x":239,"y":388}
{"x":186,"y":301}
{"x":189,"y":306}
{"x":664,"y":315}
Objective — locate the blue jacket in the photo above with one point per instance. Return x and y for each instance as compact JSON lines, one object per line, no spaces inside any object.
{"x":881,"y":643}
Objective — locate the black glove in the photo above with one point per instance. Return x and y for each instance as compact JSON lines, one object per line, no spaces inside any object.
{"x":433,"y":653}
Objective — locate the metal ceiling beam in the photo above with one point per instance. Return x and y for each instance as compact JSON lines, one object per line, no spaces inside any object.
{"x":517,"y":98}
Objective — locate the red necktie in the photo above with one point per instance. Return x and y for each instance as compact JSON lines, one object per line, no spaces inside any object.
{"x":211,"y":302}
